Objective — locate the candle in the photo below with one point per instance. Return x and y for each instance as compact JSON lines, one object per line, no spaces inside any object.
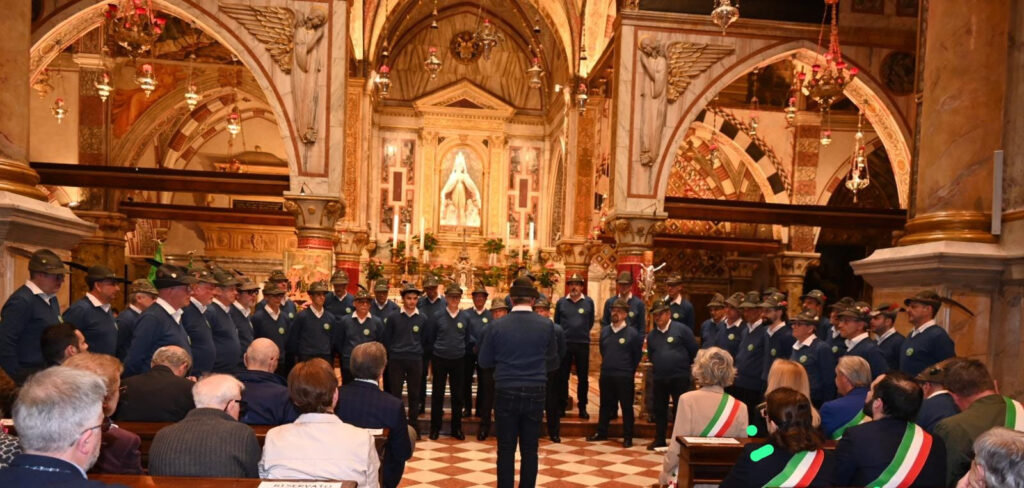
{"x":408,"y":244}
{"x":423,"y":226}
{"x":508,"y":231}
{"x":426,"y":257}
{"x":531,"y":240}
{"x":394,"y":231}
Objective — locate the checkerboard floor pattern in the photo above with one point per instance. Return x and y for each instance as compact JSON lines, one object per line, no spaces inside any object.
{"x":450,"y":463}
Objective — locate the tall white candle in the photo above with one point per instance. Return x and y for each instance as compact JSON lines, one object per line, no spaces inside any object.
{"x":394,"y":230}
{"x":508,"y":230}
{"x":408,"y":246}
{"x":532,"y":244}
{"x":423,"y":226}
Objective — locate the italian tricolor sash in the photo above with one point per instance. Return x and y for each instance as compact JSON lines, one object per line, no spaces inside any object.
{"x":799,"y":471}
{"x":908,"y":461}
{"x":1014,"y":415}
{"x":724,"y":416}
{"x":856,"y":420}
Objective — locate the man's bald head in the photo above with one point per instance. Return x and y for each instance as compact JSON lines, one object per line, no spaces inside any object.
{"x":262,"y":355}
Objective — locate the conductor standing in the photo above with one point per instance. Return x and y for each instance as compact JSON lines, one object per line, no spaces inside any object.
{"x":517,"y":346}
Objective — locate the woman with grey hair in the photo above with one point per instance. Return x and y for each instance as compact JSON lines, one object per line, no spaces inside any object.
{"x":708,"y":411}
{"x":998,"y":460}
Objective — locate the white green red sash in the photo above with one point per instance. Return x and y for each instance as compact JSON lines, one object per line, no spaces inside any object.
{"x":856,"y":420}
{"x":908,"y":461}
{"x":1014,"y":414}
{"x":799,"y":471}
{"x":724,"y":417}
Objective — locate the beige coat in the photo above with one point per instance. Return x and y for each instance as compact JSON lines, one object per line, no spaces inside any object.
{"x":695,"y":411}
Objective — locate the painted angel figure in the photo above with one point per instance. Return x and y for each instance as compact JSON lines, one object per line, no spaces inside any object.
{"x":652,"y":99}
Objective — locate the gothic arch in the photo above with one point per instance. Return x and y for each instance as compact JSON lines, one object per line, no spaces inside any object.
{"x":880,"y":113}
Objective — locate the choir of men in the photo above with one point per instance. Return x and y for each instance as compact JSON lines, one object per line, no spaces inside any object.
{"x":193,"y":322}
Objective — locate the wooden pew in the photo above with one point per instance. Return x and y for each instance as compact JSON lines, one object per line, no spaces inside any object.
{"x":701,"y":463}
{"x":139,"y":481}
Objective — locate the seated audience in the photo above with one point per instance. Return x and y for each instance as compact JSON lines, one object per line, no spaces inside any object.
{"x":890,"y":450}
{"x":119,"y":453}
{"x":981,"y":408}
{"x":362,"y":403}
{"x":938,"y":403}
{"x":998,"y":460}
{"x":9,"y":447}
{"x":795,"y":457}
{"x":161,"y":394}
{"x":209,"y":441}
{"x":853,"y":377}
{"x":789,"y":374}
{"x":59,"y":414}
{"x":266,"y":394}
{"x":699,"y":413}
{"x":61,"y":341}
{"x":318,"y":445}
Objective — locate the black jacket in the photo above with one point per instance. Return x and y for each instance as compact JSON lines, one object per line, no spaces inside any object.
{"x":155,"y":396}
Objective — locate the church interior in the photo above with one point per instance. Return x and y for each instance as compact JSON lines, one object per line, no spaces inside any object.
{"x":864,"y":148}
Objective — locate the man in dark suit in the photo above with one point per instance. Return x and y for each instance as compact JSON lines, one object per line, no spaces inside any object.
{"x":59,"y":413}
{"x":227,"y":349}
{"x":162,"y":394}
{"x":60,"y":342}
{"x":193,"y":318}
{"x":890,"y":342}
{"x":339,"y":302}
{"x":636,"y":317}
{"x":141,"y":294}
{"x":682,"y":309}
{"x":890,"y":450}
{"x":29,"y":310}
{"x":362,"y":403}
{"x":928,"y":343}
{"x":518,"y":346}
{"x":161,"y":324}
{"x":853,"y":327}
{"x":241,"y":311}
{"x":92,"y":314}
{"x":938,"y":402}
{"x":265,"y":394}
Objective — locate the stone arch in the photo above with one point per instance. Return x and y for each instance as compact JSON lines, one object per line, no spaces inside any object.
{"x":880,"y":113}
{"x":71,"y":20}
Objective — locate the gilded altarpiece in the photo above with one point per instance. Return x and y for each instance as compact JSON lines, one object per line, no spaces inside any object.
{"x":523,"y":189}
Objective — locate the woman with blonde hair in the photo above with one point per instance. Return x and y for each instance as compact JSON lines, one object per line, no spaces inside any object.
{"x":790,"y":374}
{"x":119,"y":449}
{"x":708,"y":411}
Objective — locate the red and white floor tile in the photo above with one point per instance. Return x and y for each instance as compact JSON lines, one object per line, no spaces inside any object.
{"x":450,"y":463}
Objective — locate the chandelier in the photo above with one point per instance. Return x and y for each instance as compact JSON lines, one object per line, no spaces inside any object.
{"x":146,"y":79}
{"x":858,"y":179}
{"x":755,"y":106}
{"x":383,"y":79}
{"x":59,"y":110}
{"x":581,"y":98}
{"x":725,"y":13}
{"x":828,"y":78}
{"x":234,"y":122}
{"x":791,"y":111}
{"x":134,"y":25}
{"x":192,"y":96}
{"x":535,"y":72}
{"x":103,"y":87}
{"x":488,"y":37}
{"x":433,"y":63}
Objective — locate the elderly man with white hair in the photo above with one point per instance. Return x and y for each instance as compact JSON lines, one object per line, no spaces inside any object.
{"x":209,"y":441}
{"x":853,"y":378}
{"x":998,"y":460}
{"x":266,"y":394}
{"x":59,"y":414}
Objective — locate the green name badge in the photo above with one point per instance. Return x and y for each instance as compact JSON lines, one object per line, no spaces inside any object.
{"x":750,"y":347}
{"x":910,"y":351}
{"x":671,"y":340}
{"x":631,"y":314}
{"x":675,"y":316}
{"x":803,"y":359}
{"x":280,"y":330}
{"x":291,"y":315}
{"x":582,"y":311}
{"x":622,"y":340}
{"x":348,"y":309}
{"x":366,"y":332}
{"x":732,"y":337}
{"x":327,"y":326}
{"x":485,"y":320}
{"x":459,"y":325}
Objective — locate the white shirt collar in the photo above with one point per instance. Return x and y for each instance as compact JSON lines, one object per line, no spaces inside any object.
{"x":922,"y":327}
{"x":432,"y":300}
{"x":175,"y":313}
{"x":733,"y":324}
{"x":223,"y":307}
{"x":627,"y":297}
{"x":753,"y":326}
{"x":521,"y":308}
{"x":271,"y":312}
{"x":851,"y":343}
{"x":665,"y":330}
{"x":891,"y":331}
{"x":317,"y":314}
{"x":453,"y":315}
{"x":805,"y":343}
{"x":379,"y":306}
{"x":244,"y":310}
{"x":362,"y":320}
{"x":198,"y":304}
{"x":574,"y":300}
{"x":372,"y":382}
{"x":938,"y":392}
{"x":415,"y":311}
{"x":97,"y":303}
{"x":678,"y":300}
{"x":480,"y":311}
{"x":618,"y":327}
{"x":136,"y":309}
{"x":775,"y":328}
{"x":38,"y":291}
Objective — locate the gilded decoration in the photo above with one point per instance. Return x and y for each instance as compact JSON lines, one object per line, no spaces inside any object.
{"x":246,"y":240}
{"x":464,"y":48}
{"x":523,"y":188}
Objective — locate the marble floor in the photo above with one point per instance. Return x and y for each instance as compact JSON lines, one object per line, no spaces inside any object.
{"x":450,"y":463}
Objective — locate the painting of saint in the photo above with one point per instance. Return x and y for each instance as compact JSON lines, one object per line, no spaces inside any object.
{"x":461,"y":202}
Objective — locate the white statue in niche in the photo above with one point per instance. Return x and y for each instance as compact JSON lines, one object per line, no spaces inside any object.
{"x":460,"y":197}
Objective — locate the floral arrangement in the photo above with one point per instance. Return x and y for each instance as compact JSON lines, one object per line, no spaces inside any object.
{"x":374,"y":270}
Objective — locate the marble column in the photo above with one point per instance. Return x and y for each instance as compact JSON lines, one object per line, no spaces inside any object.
{"x":106,"y":246}
{"x":27,"y":222}
{"x":315,"y":217}
{"x":961,"y":123}
{"x":348,"y":251}
{"x":791,"y":268}
{"x":634,"y":234}
{"x":807,"y":149}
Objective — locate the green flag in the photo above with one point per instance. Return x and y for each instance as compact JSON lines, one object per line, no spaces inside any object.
{"x":158,"y":256}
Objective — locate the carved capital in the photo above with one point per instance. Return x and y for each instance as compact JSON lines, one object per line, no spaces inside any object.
{"x":742,"y":268}
{"x":351,"y":242}
{"x":577,"y":252}
{"x":635,"y":233}
{"x":315,"y":216}
{"x":793,"y":265}
{"x":110,"y":226}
